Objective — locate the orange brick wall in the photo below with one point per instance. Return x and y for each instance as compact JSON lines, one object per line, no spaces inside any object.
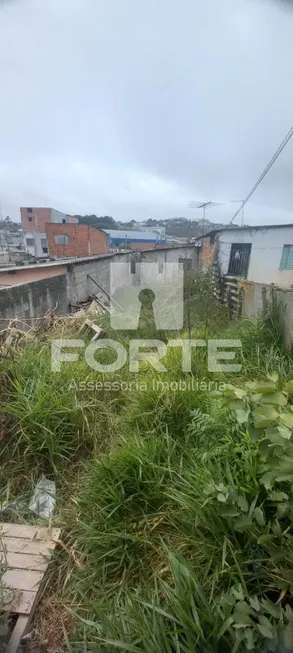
{"x":35,"y":221}
{"x":207,"y":251}
{"x":83,"y":240}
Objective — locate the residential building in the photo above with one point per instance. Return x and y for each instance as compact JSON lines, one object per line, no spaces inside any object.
{"x":34,"y":221}
{"x":75,"y":240}
{"x":263,"y":254}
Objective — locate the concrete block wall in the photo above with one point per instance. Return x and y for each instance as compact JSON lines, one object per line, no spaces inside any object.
{"x":34,"y":299}
{"x":284,"y":301}
{"x":73,"y":285}
{"x":80,"y":284}
{"x":257,"y":296}
{"x":254,"y":297}
{"x":172,"y":255}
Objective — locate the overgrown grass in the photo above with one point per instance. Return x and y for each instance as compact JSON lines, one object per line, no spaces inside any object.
{"x":152,"y":482}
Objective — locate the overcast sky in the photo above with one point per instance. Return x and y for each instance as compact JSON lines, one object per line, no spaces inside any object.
{"x":133,"y":108}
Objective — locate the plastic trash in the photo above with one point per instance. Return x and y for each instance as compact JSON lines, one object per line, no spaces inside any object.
{"x":44,"y":498}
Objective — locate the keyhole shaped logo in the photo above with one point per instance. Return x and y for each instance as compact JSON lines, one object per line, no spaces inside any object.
{"x":153,"y":287}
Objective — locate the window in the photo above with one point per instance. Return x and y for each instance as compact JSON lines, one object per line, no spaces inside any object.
{"x":44,"y":245}
{"x":30,"y":217}
{"x":29,"y":210}
{"x":61,"y":239}
{"x":239,"y":259}
{"x":185,"y":264}
{"x":287,"y":258}
{"x":30,"y":242}
{"x":64,"y":220}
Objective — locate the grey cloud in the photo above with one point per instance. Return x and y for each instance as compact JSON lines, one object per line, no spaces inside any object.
{"x":135,"y":108}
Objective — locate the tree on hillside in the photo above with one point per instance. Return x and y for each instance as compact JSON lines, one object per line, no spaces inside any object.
{"x":104,"y":222}
{"x":152,"y":223}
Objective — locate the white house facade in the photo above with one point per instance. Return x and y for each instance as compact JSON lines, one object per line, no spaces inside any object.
{"x":263,"y":254}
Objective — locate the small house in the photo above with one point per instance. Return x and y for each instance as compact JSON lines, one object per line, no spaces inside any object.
{"x":262,"y":254}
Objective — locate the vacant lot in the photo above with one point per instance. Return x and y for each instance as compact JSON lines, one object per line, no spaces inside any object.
{"x":174,"y":490}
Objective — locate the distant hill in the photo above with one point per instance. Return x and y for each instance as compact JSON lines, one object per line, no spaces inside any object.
{"x":184,"y":228}
{"x":180,"y":227}
{"x":9,"y":225}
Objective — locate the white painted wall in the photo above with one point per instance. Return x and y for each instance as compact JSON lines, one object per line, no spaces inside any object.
{"x":36,"y":249}
{"x":57,"y":217}
{"x":172,"y":255}
{"x":266,"y":253}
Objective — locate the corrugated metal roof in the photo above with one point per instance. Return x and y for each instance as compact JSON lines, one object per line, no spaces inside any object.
{"x":249,"y":227}
{"x":131,"y":234}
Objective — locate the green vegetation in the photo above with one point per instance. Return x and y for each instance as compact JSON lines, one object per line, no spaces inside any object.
{"x":105,"y":222}
{"x":176,"y":505}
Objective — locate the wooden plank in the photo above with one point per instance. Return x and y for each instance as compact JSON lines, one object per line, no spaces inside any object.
{"x":30,"y":532}
{"x":21,"y":545}
{"x":23,"y":561}
{"x":26,"y":551}
{"x":21,"y":601}
{"x":21,"y":579}
{"x":17,"y":634}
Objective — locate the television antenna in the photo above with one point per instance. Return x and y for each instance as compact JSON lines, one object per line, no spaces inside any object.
{"x":203,"y":205}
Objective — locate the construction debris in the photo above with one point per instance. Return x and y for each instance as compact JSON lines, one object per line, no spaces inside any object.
{"x":105,"y":298}
{"x":10,"y":339}
{"x":95,"y":304}
{"x":90,"y":327}
{"x":81,"y":306}
{"x":46,"y":322}
{"x":27,"y":552}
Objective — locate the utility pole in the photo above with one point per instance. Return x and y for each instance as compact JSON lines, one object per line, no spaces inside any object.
{"x":242,"y":209}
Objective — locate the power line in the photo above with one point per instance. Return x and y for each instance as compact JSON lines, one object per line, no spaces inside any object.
{"x":263,"y":174}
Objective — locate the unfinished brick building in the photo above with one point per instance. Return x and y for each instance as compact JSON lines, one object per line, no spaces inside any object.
{"x":78,"y":240}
